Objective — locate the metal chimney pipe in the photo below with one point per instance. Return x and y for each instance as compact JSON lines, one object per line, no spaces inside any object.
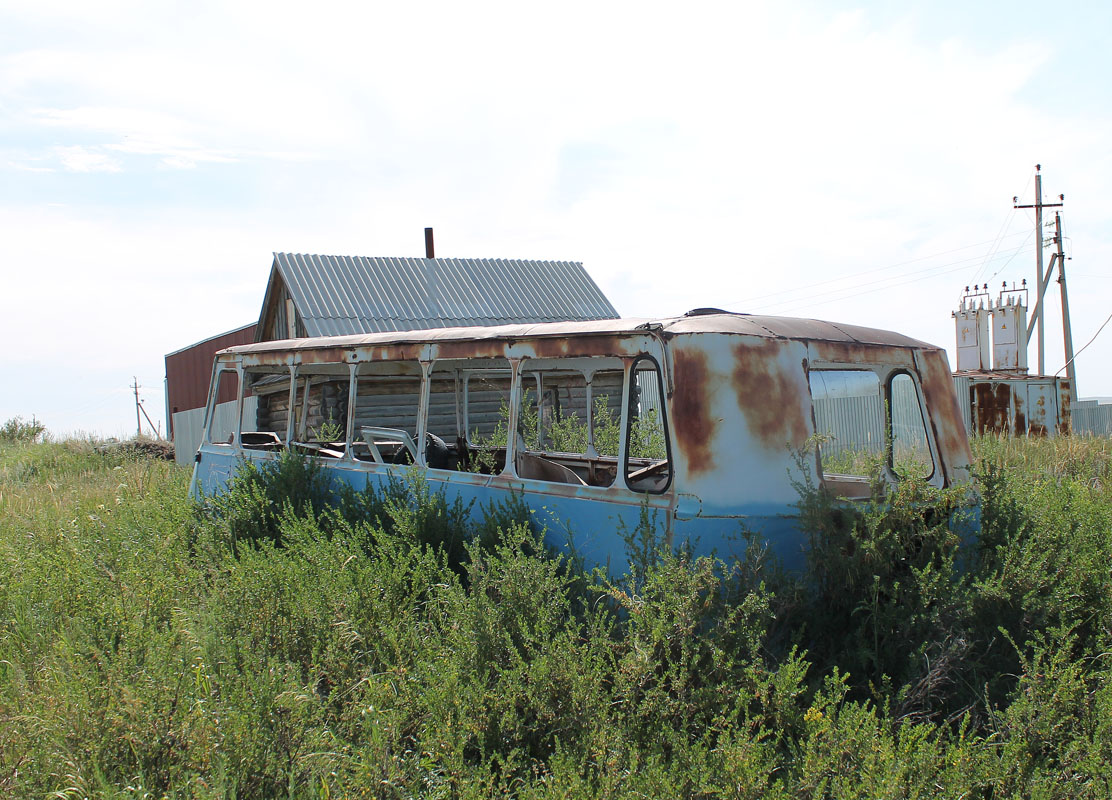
{"x":429,"y":252}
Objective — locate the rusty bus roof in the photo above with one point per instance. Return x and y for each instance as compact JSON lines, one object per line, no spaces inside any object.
{"x":720,"y":322}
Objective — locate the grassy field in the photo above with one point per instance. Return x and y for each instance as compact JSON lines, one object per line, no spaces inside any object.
{"x":149,"y":648}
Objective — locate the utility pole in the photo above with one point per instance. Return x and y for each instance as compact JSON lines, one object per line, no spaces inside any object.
{"x":138,"y":424}
{"x":146,"y":416}
{"x":1043,"y":279}
{"x":1067,"y":329}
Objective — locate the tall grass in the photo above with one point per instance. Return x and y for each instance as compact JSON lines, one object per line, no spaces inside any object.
{"x":383,"y":647}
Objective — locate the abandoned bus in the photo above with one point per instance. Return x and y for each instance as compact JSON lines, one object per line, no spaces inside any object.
{"x":697,"y":421}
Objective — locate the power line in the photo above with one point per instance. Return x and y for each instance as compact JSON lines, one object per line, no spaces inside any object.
{"x":1010,"y":260}
{"x":1007,"y":221}
{"x":853,"y":292}
{"x":869,"y":271}
{"x":1082,"y":350}
{"x":881,"y":283}
{"x":995,"y":246}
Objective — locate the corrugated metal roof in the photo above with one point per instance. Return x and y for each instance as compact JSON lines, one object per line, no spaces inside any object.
{"x":338,"y":295}
{"x":248,"y":334}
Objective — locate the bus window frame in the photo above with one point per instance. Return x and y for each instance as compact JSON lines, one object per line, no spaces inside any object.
{"x":627,"y":392}
{"x":885,"y":374}
{"x":891,"y":429}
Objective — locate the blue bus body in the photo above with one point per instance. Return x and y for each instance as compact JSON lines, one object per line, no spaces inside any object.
{"x":705,"y":425}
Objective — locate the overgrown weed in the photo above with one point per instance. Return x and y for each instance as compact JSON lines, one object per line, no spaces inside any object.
{"x":19,"y":431}
{"x":378,"y":646}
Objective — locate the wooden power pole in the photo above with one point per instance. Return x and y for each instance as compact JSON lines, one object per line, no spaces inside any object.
{"x":1043,"y":275}
{"x":1067,"y":329}
{"x":138,"y":423}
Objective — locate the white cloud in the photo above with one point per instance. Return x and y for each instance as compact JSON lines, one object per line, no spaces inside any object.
{"x":85,"y":159}
{"x":24,"y":163}
{"x":179,"y":162}
{"x":709,"y":155}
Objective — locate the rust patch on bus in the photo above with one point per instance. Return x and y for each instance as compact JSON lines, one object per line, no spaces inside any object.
{"x":541,"y":347}
{"x":558,"y":347}
{"x":858,"y":353}
{"x":768,"y":398}
{"x":323,"y":355}
{"x":328,"y":355}
{"x":691,"y":411}
{"x":478,"y":348}
{"x":943,"y":412}
{"x":397,"y":352}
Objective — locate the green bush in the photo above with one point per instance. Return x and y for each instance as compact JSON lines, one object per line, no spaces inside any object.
{"x":18,"y":429}
{"x":882,"y":597}
{"x":380,"y":645}
{"x":259,"y":495}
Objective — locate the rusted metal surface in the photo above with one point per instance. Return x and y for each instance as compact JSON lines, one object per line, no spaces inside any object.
{"x":943,"y":414}
{"x":1017,"y":405}
{"x":588,"y":345}
{"x":992,"y":407}
{"x":691,"y":418}
{"x":469,"y":349}
{"x":1019,"y":423}
{"x":815,"y":331}
{"x":1036,"y":409}
{"x":861,"y":353}
{"x":1065,"y":407}
{"x":768,"y":396}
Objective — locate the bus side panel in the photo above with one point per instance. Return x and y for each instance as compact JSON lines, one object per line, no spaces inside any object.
{"x":588,"y":523}
{"x":944,"y":413}
{"x":212,"y":470}
{"x":772,"y":530}
{"x":741,"y":415}
{"x":597,"y":530}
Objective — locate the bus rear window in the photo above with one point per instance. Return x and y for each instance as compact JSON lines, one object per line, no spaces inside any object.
{"x":849,"y":419}
{"x":864,"y":429}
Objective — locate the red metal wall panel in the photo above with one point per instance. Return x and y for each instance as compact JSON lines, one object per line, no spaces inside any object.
{"x":188,"y":371}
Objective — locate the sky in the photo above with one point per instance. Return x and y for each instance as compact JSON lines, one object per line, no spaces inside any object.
{"x":854,"y":162}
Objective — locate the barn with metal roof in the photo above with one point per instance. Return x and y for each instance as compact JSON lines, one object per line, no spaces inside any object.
{"x":314,"y":295}
{"x":309,"y":295}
